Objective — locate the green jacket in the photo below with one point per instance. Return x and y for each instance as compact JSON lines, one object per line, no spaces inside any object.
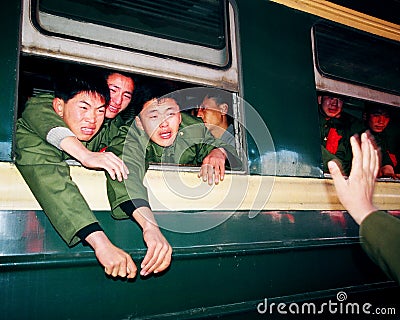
{"x":192,"y":144}
{"x":345,"y":126}
{"x":382,"y":141}
{"x":44,"y":169}
{"x":380,"y":238}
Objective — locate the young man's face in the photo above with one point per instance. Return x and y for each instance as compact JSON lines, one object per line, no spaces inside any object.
{"x":378,"y":122}
{"x":160,"y":119}
{"x":210,"y":113}
{"x":332,"y":106}
{"x":83,"y":114}
{"x":121,"y":90}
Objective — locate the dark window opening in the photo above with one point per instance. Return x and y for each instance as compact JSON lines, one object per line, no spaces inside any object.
{"x":37,"y":75}
{"x":342,"y":116}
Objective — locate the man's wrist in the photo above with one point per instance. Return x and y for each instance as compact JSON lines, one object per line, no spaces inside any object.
{"x":224,"y":152}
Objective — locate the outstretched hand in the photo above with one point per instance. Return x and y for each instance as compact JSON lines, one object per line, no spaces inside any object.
{"x":356,"y":192}
{"x":108,"y":161}
{"x":213,"y":167}
{"x":159,"y":251}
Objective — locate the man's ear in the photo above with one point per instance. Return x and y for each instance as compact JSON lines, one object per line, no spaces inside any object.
{"x":180,"y":117}
{"x":139,"y":122}
{"x":223,"y":107}
{"x":319,"y":99}
{"x":58,"y":106}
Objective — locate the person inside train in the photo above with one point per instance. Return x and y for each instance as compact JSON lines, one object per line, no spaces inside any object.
{"x":379,"y":231}
{"x":214,"y":111}
{"x":377,"y":118}
{"x":165,"y":135}
{"x":79,"y":104}
{"x":336,"y":128}
{"x":121,"y":88}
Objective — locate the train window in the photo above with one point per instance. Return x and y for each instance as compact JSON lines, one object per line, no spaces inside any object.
{"x":356,"y":72}
{"x":357,"y":57}
{"x":342,"y":116}
{"x":196,"y":103}
{"x":177,"y":26}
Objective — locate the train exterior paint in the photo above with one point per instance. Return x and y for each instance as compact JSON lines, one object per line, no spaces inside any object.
{"x":278,"y":234}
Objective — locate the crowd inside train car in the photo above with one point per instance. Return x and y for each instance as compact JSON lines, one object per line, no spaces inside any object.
{"x":339,"y":120}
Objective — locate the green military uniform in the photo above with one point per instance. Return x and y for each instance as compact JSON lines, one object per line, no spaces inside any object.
{"x":382,"y":141}
{"x":192,"y":144}
{"x":345,"y":127}
{"x":380,"y":238}
{"x":44,"y":169}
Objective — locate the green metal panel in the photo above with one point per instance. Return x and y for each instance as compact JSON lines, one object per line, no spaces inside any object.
{"x":9,"y":33}
{"x":278,"y":81}
{"x":225,"y":269}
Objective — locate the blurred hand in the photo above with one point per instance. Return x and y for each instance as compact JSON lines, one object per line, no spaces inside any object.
{"x":356,"y":192}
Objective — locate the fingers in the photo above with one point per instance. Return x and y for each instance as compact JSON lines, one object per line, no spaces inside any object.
{"x":357,"y":162}
{"x":212,"y":172}
{"x":115,"y":167}
{"x":208,"y":174}
{"x":370,"y":154}
{"x":157,"y":259}
{"x":131,"y":269}
{"x":337,"y":177}
{"x":122,"y":266}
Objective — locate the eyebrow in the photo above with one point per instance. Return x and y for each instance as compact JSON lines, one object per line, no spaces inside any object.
{"x":88,"y":104}
{"x":115,"y":86}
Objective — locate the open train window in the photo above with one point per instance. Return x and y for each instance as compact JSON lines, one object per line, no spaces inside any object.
{"x":342,"y":116}
{"x":37,"y":77}
{"x":357,"y":77}
{"x":192,"y":30}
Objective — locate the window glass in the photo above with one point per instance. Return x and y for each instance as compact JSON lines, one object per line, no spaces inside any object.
{"x":193,"y":21}
{"x":357,"y":57}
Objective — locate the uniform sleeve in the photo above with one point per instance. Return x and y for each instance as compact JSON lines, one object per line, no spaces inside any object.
{"x":131,"y":193}
{"x":48,"y":176}
{"x":210,"y":143}
{"x":380,"y":238}
{"x":42,"y":119}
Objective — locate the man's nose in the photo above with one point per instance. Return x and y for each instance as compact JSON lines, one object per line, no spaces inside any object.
{"x":91,"y":116}
{"x":117,"y":98}
{"x":164,"y":122}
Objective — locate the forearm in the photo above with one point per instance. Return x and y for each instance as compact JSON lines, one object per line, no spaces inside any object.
{"x":145,"y":218}
{"x":75,"y":149}
{"x":380,"y":238}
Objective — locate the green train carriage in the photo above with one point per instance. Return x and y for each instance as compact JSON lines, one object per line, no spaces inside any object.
{"x":279,"y":232}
